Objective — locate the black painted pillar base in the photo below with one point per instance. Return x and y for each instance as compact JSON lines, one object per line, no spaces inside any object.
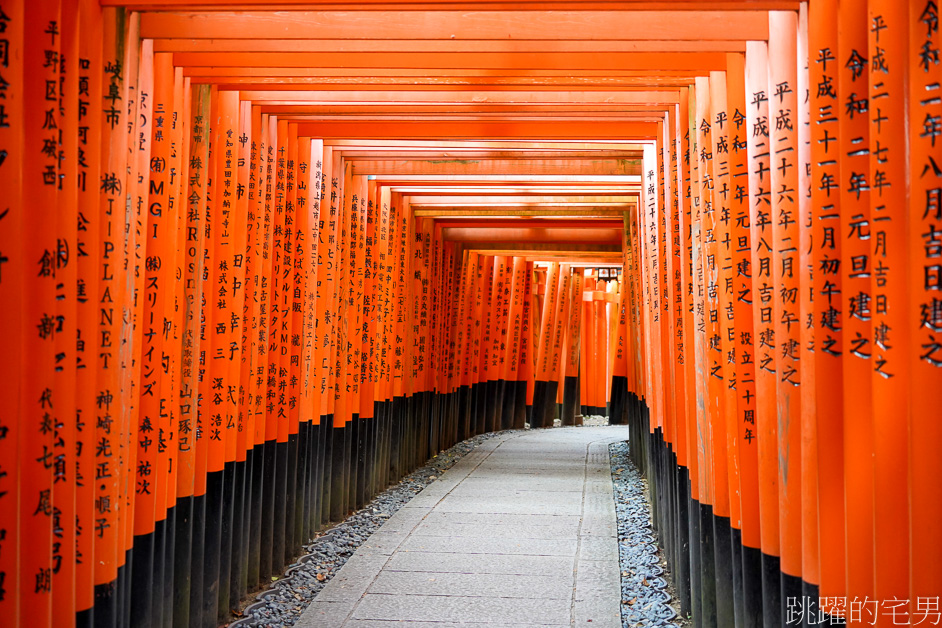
{"x":225,"y":542}
{"x":106,"y":605}
{"x":196,"y":561}
{"x":86,"y":618}
{"x":570,"y":400}
{"x":508,"y":400}
{"x":267,"y":522}
{"x":771,"y":591}
{"x":520,"y":404}
{"x":490,"y":405}
{"x":338,"y":471}
{"x":549,"y":410}
{"x":723,"y":571}
{"x":183,"y":515}
{"x":791,"y":596}
{"x":735,"y":540}
{"x":682,"y":579}
{"x":752,"y":587}
{"x":693,"y":523}
{"x":810,"y":593}
{"x":142,"y":581}
{"x":538,"y":413}
{"x":215,"y":481}
{"x":464,"y":412}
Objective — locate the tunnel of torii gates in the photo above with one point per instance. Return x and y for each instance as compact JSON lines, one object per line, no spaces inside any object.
{"x":259,"y":261}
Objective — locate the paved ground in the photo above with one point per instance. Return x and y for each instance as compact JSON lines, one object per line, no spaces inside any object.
{"x":521,"y":532}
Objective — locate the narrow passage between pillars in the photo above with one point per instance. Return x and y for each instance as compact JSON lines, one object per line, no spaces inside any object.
{"x":257,"y":263}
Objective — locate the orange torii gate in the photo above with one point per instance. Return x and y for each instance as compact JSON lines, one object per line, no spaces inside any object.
{"x":256,"y":264}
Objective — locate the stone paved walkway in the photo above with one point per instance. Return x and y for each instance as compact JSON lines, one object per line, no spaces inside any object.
{"x":521,"y":532}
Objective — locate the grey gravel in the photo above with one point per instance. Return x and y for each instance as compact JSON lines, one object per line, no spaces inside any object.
{"x":644,"y":585}
{"x":282,"y":604}
{"x":588,"y":420}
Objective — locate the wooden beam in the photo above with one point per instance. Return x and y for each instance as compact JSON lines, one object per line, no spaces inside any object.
{"x":436,"y":46}
{"x":692,"y":62}
{"x":529,"y":234}
{"x":530,"y":213}
{"x":508,"y":169}
{"x":458,"y":25}
{"x":521,"y":5}
{"x":446,"y":200}
{"x":475,"y":97}
{"x":459,"y":130}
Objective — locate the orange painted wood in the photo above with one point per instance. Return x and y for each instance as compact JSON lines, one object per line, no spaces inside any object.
{"x":65,"y":475}
{"x":39,"y":415}
{"x":400,"y":236}
{"x":668,"y":181}
{"x":504,"y":168}
{"x":214,"y":326}
{"x":528,"y":330}
{"x":676,"y":285}
{"x":313,"y":178}
{"x":667,"y":188}
{"x":348,"y":206}
{"x":325,"y":277}
{"x":292,"y":282}
{"x":244,"y":257}
{"x":14,"y":268}
{"x":386,"y":295}
{"x":810,"y":565}
{"x":761,"y":236}
{"x":370,"y":298}
{"x":722,"y":196}
{"x":702,"y":223}
{"x":855,"y":268}
{"x":138,"y":81}
{"x":261,"y":271}
{"x":574,"y":326}
{"x":922,"y":308}
{"x":471,"y":130}
{"x":503,"y":337}
{"x":469,"y":319}
{"x":113,"y":186}
{"x":691,"y":202}
{"x":279,"y":331}
{"x":786,"y":264}
{"x":889,"y":285}
{"x":742,"y":299}
{"x":547,"y":318}
{"x":179,"y":44}
{"x":460,"y":25}
{"x":828,"y":313}
{"x":516,"y":326}
{"x":683,"y":5}
{"x":560,"y":318}
{"x":88,"y":223}
{"x":229,"y":274}
{"x":159,"y":240}
{"x":174,"y":124}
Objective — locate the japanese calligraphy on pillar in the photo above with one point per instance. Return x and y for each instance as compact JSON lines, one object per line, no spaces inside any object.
{"x":13,"y":282}
{"x":889,"y":256}
{"x":924,"y":309}
{"x":826,"y":285}
{"x":856,"y":294}
{"x":786,"y":267}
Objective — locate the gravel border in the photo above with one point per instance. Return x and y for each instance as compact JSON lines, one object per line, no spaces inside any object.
{"x":646,"y":597}
{"x":283,"y":603}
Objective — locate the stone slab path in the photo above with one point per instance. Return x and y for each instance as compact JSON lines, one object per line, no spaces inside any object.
{"x":520,"y":532}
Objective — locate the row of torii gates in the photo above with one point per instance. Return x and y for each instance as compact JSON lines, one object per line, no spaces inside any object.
{"x":259,"y":260}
